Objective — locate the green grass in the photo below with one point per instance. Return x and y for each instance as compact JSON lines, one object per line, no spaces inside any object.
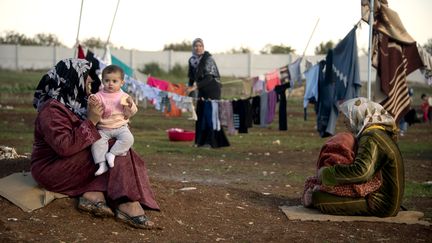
{"x":151,"y":139}
{"x":415,"y":189}
{"x":18,"y":82}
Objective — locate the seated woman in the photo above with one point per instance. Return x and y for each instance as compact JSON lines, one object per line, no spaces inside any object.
{"x":339,"y":149}
{"x":61,"y":161}
{"x":377,"y":151}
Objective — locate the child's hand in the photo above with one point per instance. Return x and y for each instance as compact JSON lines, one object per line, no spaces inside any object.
{"x":127,"y":106}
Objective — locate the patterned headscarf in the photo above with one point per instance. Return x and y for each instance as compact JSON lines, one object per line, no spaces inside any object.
{"x":363,"y":113}
{"x":195,"y":59}
{"x":65,"y":82}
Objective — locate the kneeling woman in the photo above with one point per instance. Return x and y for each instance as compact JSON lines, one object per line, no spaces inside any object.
{"x":377,"y":152}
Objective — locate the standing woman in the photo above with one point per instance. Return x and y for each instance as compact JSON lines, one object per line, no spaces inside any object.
{"x":204,"y":76}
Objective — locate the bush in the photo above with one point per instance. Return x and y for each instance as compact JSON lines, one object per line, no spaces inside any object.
{"x":152,"y":69}
{"x":179,"y":71}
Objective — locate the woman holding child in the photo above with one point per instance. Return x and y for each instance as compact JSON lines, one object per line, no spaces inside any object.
{"x":65,"y":129}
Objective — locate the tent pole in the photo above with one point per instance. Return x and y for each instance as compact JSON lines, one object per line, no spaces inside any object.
{"x":79,"y":25}
{"x":371,"y":21}
{"x":313,"y":31}
{"x":112,"y":24}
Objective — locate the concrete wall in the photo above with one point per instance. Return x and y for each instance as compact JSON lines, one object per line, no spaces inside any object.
{"x":240,"y":65}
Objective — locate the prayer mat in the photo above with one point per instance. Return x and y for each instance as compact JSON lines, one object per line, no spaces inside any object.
{"x":309,"y":214}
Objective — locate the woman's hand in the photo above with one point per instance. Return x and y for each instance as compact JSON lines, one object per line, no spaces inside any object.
{"x":94,"y":110}
{"x":191,"y":88}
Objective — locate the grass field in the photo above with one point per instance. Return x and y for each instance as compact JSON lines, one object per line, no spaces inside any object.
{"x":149,"y":128}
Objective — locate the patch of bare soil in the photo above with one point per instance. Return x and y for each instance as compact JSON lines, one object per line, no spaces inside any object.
{"x":221,"y":209}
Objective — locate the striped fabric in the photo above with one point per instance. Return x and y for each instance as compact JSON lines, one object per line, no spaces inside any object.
{"x":395,"y":61}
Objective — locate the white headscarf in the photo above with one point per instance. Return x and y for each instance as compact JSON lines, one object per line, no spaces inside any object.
{"x":363,"y":113}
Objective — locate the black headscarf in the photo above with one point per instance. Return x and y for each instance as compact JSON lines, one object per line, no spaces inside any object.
{"x":65,"y":83}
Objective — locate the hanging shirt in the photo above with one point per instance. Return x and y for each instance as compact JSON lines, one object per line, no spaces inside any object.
{"x":215,"y":116}
{"x":272,"y":79}
{"x":263,"y":109}
{"x":226,"y":116}
{"x":271,"y":106}
{"x":158,"y":83}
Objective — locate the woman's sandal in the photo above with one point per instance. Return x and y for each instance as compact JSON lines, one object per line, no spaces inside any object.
{"x":99,"y":209}
{"x":140,"y":221}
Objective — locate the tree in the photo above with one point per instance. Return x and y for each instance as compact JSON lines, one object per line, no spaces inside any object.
{"x":277,"y":49}
{"x":428,"y":46}
{"x":15,"y":38}
{"x":324,"y":47}
{"x":241,"y":49}
{"x":182,"y":46}
{"x":47,"y":40}
{"x":41,"y":39}
{"x":94,"y":42}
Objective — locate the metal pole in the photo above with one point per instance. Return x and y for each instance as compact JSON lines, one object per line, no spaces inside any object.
{"x":313,"y":31}
{"x":79,"y":25}
{"x":371,"y":21}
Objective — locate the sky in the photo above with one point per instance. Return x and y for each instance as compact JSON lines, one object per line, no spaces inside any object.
{"x":147,"y":25}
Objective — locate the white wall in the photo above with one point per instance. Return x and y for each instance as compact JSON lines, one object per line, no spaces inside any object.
{"x":240,"y":65}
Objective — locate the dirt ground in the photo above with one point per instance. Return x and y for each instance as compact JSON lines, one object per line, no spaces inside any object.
{"x":237,"y":199}
{"x":232,"y":206}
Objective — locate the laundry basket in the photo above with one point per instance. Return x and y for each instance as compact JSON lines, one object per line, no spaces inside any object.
{"x":178,"y":134}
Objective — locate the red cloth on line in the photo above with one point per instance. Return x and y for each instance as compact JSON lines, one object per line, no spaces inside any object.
{"x":158,"y":83}
{"x":62,"y":161}
{"x":81,"y":54}
{"x":272,"y":80}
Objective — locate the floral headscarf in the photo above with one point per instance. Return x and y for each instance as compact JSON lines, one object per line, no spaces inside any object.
{"x":65,"y":82}
{"x":363,"y":113}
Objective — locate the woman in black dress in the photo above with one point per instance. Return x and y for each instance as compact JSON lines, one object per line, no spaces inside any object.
{"x":204,"y":76}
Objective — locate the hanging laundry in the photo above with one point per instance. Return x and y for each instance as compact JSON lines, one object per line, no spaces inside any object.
{"x":395,"y":57}
{"x":271,"y":106}
{"x":263,"y":108}
{"x":127,"y":70}
{"x":204,"y":133}
{"x":179,"y":89}
{"x":345,"y":67}
{"x":426,"y":70}
{"x":342,"y":82}
{"x":240,"y":111}
{"x":258,"y":84}
{"x":308,"y":65}
{"x":281,"y":96}
{"x":284,"y":74}
{"x":215,"y":116}
{"x":311,"y":90}
{"x":255,"y":109}
{"x":248,"y":107}
{"x":226,"y":116}
{"x":80,"y":52}
{"x":295,"y":72}
{"x":247,"y":86}
{"x":107,"y":56}
{"x":158,"y":83}
{"x":272,"y":79}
